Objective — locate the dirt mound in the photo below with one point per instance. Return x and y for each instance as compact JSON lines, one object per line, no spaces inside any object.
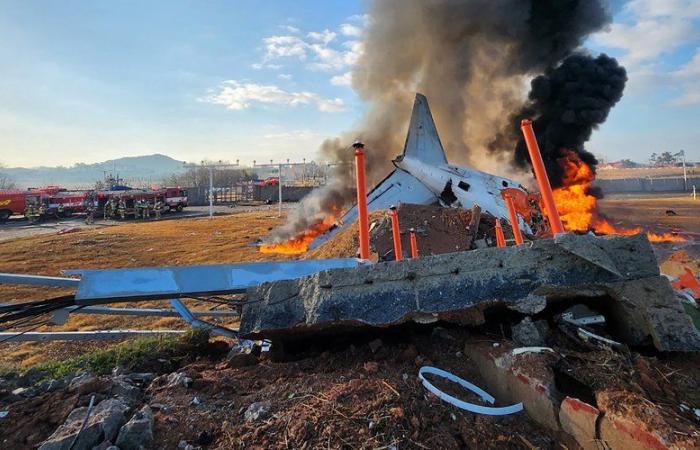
{"x":438,"y":230}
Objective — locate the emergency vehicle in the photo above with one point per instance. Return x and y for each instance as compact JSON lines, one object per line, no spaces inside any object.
{"x":175,"y":198}
{"x":12,"y":202}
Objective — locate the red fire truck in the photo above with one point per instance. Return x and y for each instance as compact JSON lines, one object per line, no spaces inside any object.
{"x":55,"y":199}
{"x":11,"y":203}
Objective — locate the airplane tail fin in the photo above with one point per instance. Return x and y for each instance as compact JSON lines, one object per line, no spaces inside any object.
{"x":422,"y":141}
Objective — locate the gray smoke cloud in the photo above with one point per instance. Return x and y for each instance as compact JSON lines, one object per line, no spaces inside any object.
{"x":471,"y":58}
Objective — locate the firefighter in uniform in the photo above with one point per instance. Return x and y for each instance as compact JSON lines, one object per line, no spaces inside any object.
{"x":60,"y":210}
{"x":42,"y":211}
{"x":89,"y":213}
{"x":146,"y":209}
{"x":121,"y":208}
{"x":158,"y":208}
{"x":31,"y":213}
{"x":89,"y":206}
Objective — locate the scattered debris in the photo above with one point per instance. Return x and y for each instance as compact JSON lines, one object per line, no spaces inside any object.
{"x":178,"y":379}
{"x":257,"y":411}
{"x":485,"y":396}
{"x":530,"y":333}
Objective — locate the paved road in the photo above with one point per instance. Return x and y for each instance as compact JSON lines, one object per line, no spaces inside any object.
{"x":17,"y":228}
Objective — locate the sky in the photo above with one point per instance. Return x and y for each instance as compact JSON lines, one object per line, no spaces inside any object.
{"x":86,"y":81}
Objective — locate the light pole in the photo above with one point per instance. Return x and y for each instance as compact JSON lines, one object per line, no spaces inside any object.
{"x":279,"y":166}
{"x":685,"y":175}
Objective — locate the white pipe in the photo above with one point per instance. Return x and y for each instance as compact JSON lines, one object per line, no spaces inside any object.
{"x":279,"y":183}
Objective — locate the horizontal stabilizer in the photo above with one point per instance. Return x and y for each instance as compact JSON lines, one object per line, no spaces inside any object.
{"x":398,"y":187}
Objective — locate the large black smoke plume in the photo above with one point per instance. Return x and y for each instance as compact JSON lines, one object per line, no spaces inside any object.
{"x":471,"y":58}
{"x":567,"y":102}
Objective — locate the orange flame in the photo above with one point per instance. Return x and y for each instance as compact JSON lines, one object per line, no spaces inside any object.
{"x":301,"y":242}
{"x":579,"y":209}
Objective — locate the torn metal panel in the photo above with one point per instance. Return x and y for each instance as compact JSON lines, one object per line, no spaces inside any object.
{"x":38,"y":280}
{"x":188,"y":317}
{"x":177,"y":281}
{"x":398,"y":187}
{"x":457,"y":287}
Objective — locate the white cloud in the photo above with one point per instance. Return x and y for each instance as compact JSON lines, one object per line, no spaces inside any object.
{"x":355,"y":50}
{"x":342,"y":80}
{"x":285,"y":76}
{"x":362,"y":19}
{"x":238,"y":96}
{"x":319,"y":46}
{"x":324,"y":36}
{"x":290,"y":29}
{"x":260,"y":66}
{"x":687,"y":77}
{"x":284,"y":46}
{"x":648,"y":39}
{"x":664,"y":8}
{"x":652,"y":30}
{"x":658,"y":27}
{"x":347,"y":29}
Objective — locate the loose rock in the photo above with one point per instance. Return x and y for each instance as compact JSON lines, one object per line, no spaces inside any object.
{"x":528,"y":333}
{"x":257,"y":410}
{"x":103,"y":424}
{"x":137,"y":433}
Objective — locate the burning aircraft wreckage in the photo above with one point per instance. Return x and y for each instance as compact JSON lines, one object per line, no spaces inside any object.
{"x":295,"y":300}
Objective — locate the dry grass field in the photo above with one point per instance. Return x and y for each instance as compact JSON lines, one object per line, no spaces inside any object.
{"x":224,"y":239}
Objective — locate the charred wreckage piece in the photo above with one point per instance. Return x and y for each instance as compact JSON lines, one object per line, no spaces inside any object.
{"x":619,"y":275}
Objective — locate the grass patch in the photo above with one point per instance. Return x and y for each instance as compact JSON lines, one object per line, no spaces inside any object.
{"x":150,"y":353}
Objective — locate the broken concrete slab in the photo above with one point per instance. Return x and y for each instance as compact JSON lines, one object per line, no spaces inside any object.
{"x":459,"y":287}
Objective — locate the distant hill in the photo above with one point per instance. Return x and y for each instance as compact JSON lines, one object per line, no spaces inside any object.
{"x":135,"y":170}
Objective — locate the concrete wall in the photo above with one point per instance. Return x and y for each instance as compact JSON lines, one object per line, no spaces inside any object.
{"x":675,"y":184}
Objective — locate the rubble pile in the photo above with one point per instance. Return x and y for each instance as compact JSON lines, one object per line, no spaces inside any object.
{"x":439,"y":230}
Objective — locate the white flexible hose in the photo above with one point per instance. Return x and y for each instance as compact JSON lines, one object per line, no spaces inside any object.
{"x":488,"y":410}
